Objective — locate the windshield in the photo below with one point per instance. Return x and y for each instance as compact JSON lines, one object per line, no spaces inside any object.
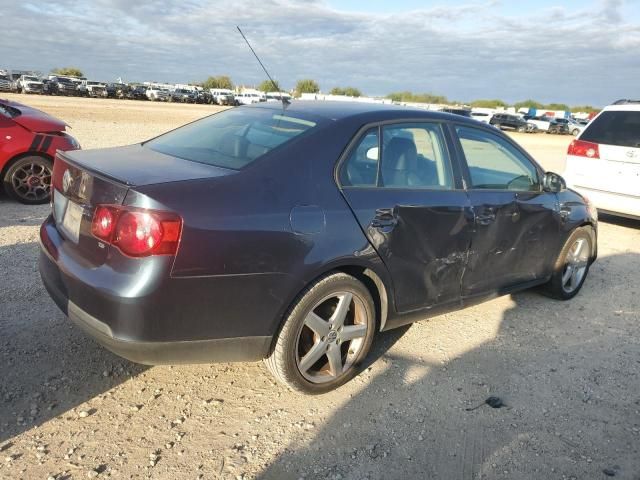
{"x":31,"y":79}
{"x":233,"y":138}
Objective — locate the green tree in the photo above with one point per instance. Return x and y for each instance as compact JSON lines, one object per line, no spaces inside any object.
{"x":407,"y":96}
{"x":68,"y":71}
{"x":352,"y":92}
{"x":557,"y":106}
{"x":307,"y":86}
{"x":584,"y":108}
{"x":489,"y":103}
{"x":528,"y":104}
{"x":221,"y":81}
{"x":347,"y":91}
{"x":267,"y":86}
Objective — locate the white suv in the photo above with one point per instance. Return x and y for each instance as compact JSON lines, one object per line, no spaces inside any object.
{"x":603,"y":162}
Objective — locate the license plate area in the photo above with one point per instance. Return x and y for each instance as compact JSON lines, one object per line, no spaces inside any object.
{"x":69,"y":216}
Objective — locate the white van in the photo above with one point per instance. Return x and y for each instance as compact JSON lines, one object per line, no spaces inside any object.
{"x":603,"y":162}
{"x":247,"y":98}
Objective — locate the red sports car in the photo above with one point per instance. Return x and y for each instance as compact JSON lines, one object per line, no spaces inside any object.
{"x":29,"y":140}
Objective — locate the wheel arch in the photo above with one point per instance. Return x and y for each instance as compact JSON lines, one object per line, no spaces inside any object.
{"x":376,"y":282}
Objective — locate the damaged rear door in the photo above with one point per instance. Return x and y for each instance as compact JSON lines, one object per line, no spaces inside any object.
{"x":406,"y":194}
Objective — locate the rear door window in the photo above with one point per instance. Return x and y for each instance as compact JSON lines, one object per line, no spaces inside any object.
{"x":415,"y":156}
{"x":408,"y":155}
{"x":361,"y":167}
{"x":614,"y":128}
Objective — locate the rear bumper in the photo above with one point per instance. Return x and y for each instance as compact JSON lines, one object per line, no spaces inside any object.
{"x":157,"y":353}
{"x":613,"y":203}
{"x":174,"y":321}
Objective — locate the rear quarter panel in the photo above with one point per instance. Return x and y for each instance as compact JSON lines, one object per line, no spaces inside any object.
{"x":267,"y":230}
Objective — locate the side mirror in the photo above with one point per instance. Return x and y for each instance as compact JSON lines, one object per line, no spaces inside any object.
{"x":552,"y":182}
{"x":372,"y":153}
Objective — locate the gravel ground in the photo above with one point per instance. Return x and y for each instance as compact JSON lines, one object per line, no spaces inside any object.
{"x":568,"y":372}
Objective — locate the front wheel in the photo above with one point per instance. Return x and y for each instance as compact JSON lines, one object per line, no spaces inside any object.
{"x":326,"y":335}
{"x":28,"y":180}
{"x":572,"y":266}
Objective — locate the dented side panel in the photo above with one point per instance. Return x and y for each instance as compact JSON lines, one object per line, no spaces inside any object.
{"x":422,"y":237}
{"x":514,"y":239}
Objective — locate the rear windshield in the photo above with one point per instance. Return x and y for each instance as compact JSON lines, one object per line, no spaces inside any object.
{"x":233,"y":138}
{"x":614,"y":128}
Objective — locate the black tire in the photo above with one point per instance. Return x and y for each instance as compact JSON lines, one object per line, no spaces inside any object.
{"x":285,"y":360}
{"x":556,"y":287}
{"x":18,"y":182}
{"x":575,"y":132}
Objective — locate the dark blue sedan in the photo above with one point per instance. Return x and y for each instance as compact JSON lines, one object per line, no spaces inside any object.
{"x":293,"y":233}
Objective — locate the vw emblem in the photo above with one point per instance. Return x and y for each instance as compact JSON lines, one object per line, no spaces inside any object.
{"x":631,"y":153}
{"x":66,"y":181}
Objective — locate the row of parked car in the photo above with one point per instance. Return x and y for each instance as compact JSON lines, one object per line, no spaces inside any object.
{"x":529,"y":124}
{"x":72,"y":86}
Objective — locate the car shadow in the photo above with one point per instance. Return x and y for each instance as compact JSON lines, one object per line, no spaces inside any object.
{"x":558,"y":367}
{"x":40,"y":350}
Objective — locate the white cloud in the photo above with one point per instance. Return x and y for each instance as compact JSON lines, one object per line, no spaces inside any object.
{"x":465,"y":52}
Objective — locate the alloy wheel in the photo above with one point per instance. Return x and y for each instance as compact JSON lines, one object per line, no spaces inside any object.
{"x":332,"y":337}
{"x":32,"y":181}
{"x":576,"y":264}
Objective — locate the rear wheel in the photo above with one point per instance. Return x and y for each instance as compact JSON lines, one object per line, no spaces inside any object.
{"x":28,"y":180}
{"x":326,"y":335}
{"x":521,"y":129}
{"x":572,"y":265}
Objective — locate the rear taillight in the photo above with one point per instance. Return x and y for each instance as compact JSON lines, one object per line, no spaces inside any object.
{"x":103,"y":223}
{"x":580,"y":148}
{"x":137,"y":232}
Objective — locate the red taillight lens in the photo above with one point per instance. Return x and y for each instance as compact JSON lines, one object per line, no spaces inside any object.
{"x":580,"y":148}
{"x":103,"y":223}
{"x":137,"y":232}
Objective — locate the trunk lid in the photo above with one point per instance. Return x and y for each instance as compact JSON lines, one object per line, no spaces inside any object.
{"x":83,"y":180}
{"x":76,"y":192}
{"x":138,"y":165}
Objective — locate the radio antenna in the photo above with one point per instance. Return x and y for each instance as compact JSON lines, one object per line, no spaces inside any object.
{"x":285,"y":102}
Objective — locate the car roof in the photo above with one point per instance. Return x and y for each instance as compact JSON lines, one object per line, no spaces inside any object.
{"x":336,"y":110}
{"x":623,"y":107}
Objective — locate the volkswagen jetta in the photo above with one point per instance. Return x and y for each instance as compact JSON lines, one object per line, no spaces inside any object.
{"x":293,"y":233}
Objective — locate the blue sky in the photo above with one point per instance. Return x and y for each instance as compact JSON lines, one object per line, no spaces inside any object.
{"x":568,"y":51}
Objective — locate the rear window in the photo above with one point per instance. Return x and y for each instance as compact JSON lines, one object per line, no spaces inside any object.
{"x":614,"y":128}
{"x":233,"y":138}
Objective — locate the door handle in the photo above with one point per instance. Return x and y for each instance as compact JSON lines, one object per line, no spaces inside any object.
{"x":384,"y":218}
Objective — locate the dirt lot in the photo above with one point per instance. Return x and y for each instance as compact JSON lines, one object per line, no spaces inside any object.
{"x":569,"y":373}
